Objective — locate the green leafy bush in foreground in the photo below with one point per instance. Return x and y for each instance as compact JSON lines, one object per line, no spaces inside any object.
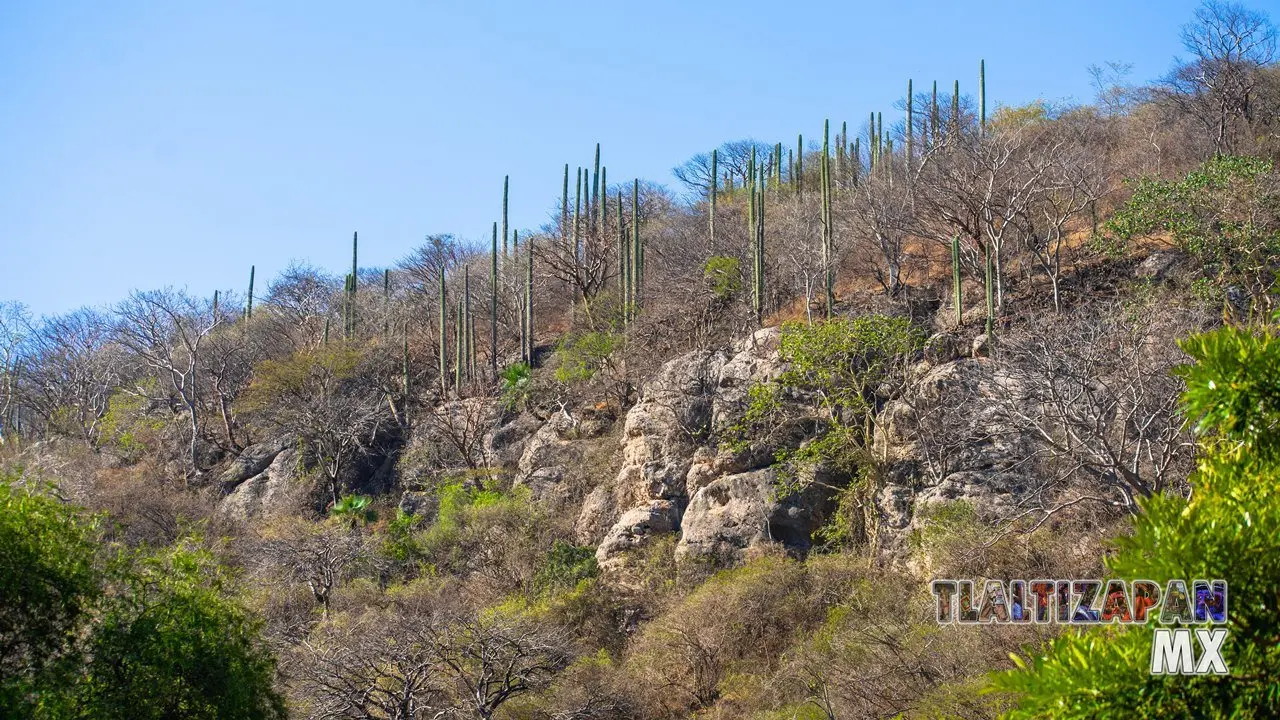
{"x":1230,"y":529}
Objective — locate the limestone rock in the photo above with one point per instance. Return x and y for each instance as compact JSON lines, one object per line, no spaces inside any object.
{"x":267,"y":493}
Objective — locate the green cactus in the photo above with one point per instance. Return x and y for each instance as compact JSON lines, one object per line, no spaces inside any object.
{"x":444,"y":340}
{"x":982,"y":98}
{"x":326,"y":331}
{"x":872,"y":146}
{"x":711,"y":202}
{"x":248,"y":308}
{"x":933,"y":116}
{"x":468,"y":351}
{"x":799,"y":178}
{"x":528,"y":306}
{"x":602,"y":213}
{"x":955,"y":278}
{"x":757,"y":255}
{"x":955,"y":108}
{"x":458,"y":342}
{"x":856,"y":154}
{"x":493,"y":296}
{"x":577,"y":215}
{"x":624,"y":258}
{"x":215,"y":307}
{"x":910,"y":128}
{"x":564,"y":206}
{"x":827,"y":224}
{"x":751,"y":183}
{"x":595,"y":191}
{"x":777,"y":166}
{"x":506,"y":187}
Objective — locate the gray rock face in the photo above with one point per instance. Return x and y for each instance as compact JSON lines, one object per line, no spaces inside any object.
{"x":252,"y":461}
{"x":673,"y":479}
{"x":942,"y":444}
{"x":267,"y":493}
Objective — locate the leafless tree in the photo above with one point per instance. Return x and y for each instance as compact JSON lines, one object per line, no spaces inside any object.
{"x":1230,"y":45}
{"x":320,"y":556}
{"x":1095,"y":395}
{"x":15,"y":325}
{"x":328,"y":398}
{"x":165,"y":329}
{"x":880,"y":217}
{"x":733,"y":160}
{"x":72,"y":364}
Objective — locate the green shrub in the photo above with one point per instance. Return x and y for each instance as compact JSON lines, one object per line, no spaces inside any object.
{"x":723,"y":275}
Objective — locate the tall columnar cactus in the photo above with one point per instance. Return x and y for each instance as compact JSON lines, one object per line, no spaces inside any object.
{"x":991,"y":303}
{"x":799,"y":178}
{"x":910,"y":128}
{"x":459,"y":340}
{"x":933,"y":116}
{"x":982,"y":98}
{"x":624,"y":260}
{"x":636,"y":253}
{"x":524,"y":306}
{"x":955,"y":108}
{"x":248,"y":307}
{"x":757,"y":246}
{"x":872,"y":146}
{"x":595,"y":192}
{"x":577,"y":216}
{"x":955,"y":278}
{"x":777,"y":166}
{"x":444,"y":339}
{"x":602,"y":212}
{"x":856,"y":166}
{"x":528,"y":305}
{"x":468,"y":351}
{"x":493,"y":297}
{"x":880,"y":141}
{"x":215,"y":307}
{"x":326,"y":331}
{"x":711,"y":201}
{"x":386,"y":302}
{"x":506,"y":187}
{"x":564,"y":207}
{"x":888,"y":151}
{"x":827,"y":230}
{"x":751,"y":183}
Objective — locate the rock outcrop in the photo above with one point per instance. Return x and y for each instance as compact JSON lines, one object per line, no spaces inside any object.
{"x":270,"y":491}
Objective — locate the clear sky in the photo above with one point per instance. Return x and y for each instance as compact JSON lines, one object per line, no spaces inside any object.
{"x":145,"y":144}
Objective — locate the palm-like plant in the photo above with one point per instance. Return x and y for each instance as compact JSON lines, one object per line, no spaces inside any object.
{"x":354,"y":509}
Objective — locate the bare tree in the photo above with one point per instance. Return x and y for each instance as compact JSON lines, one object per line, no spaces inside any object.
{"x":165,"y":329}
{"x":880,"y":217}
{"x":15,"y":325}
{"x":328,"y":398}
{"x":72,"y":364}
{"x":733,"y":161}
{"x":319,"y":556}
{"x":1095,"y":395}
{"x":1230,"y":45}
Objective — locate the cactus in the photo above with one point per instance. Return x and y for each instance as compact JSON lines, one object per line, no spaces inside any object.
{"x":751,"y":184}
{"x":791,"y":166}
{"x":469,"y":351}
{"x":326,"y":331}
{"x":955,"y":108}
{"x":493,"y":297}
{"x":528,"y":306}
{"x":991,"y":305}
{"x":911,"y":128}
{"x":603,"y":214}
{"x":458,"y":342}
{"x":827,"y":229}
{"x":386,"y":301}
{"x":982,"y":98}
{"x":799,"y":178}
{"x":888,"y":150}
{"x":624,"y":259}
{"x":248,"y":308}
{"x":564,"y":207}
{"x":856,"y":154}
{"x":777,"y":166}
{"x":444,"y":340}
{"x":636,"y":272}
{"x":506,"y":187}
{"x":711,"y":203}
{"x":757,"y":255}
{"x":955,"y":278}
{"x":577,"y":215}
{"x":595,"y":191}
{"x":215,"y":306}
{"x":933,"y":116}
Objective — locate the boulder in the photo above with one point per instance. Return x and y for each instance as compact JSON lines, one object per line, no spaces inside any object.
{"x":266,"y":494}
{"x":252,"y":461}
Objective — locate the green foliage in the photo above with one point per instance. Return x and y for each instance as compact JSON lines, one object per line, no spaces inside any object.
{"x":513,"y":385}
{"x":126,"y":428}
{"x":355,"y":509}
{"x":1225,"y":214}
{"x":564,"y":567}
{"x":839,"y":364}
{"x":580,"y":357}
{"x":87,"y":633}
{"x":723,"y":275}
{"x":50,"y":580}
{"x":1230,"y":529}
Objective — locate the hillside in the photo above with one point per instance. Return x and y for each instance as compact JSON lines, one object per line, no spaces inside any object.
{"x":687,"y":453}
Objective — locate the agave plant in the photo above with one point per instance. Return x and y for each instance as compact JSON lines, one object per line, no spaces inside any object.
{"x":355,"y":509}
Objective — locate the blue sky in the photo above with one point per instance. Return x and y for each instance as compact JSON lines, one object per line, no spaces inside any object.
{"x":145,"y":144}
